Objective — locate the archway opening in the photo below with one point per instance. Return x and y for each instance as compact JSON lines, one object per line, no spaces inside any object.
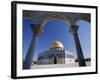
{"x":55,"y":29}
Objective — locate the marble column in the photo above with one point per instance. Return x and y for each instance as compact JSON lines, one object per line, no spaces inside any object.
{"x":81,"y":60}
{"x":36,"y":29}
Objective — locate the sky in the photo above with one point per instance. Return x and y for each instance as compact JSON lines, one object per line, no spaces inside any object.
{"x":53,"y":30}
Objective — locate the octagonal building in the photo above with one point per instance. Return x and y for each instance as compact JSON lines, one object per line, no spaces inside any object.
{"x":56,"y":54}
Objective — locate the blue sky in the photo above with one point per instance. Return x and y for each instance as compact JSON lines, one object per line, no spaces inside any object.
{"x":56,"y":29}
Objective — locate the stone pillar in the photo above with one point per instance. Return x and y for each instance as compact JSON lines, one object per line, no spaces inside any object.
{"x":80,"y":56}
{"x":36,"y":29}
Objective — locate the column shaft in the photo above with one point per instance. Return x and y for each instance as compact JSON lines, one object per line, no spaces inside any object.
{"x":79,"y":50}
{"x":29,"y":56}
{"x":81,"y":60}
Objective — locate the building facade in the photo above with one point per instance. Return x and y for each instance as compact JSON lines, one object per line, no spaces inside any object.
{"x":56,"y":54}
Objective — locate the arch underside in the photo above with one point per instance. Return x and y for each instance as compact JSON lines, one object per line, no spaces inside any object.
{"x":43,"y":17}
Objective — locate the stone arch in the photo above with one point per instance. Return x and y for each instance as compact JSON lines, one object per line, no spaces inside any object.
{"x":47,"y":19}
{"x":86,"y":18}
{"x":83,"y":20}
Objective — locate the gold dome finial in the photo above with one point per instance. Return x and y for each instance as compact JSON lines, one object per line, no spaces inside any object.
{"x":57,"y":44}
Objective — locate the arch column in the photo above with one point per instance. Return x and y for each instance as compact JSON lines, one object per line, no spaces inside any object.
{"x":36,"y":29}
{"x":73,"y":30}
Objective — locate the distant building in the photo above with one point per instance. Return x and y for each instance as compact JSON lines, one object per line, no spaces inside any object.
{"x":56,"y":54}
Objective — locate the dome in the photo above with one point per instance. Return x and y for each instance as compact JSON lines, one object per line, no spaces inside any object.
{"x":57,"y":44}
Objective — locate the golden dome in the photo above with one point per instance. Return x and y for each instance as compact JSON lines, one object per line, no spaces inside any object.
{"x":57,"y":44}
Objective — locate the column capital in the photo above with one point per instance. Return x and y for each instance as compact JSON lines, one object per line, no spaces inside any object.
{"x":73,"y":29}
{"x":37,"y":29}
